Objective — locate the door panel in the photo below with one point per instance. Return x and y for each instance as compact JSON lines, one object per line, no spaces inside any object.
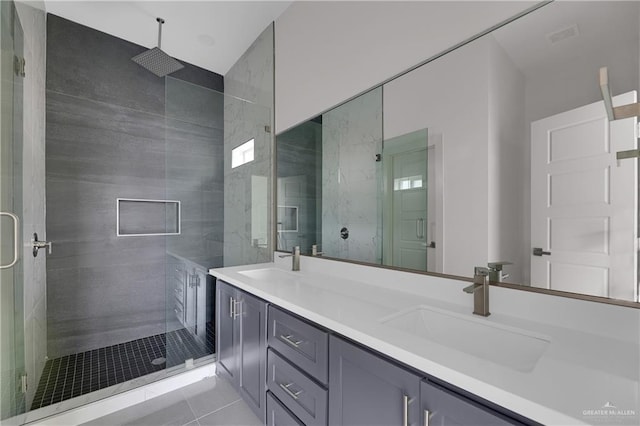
{"x":227,"y":335}
{"x":12,"y":351}
{"x":252,"y":356}
{"x":584,"y":202}
{"x":445,"y":408}
{"x":367,"y":390}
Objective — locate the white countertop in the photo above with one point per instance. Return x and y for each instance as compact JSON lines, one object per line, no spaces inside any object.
{"x":592,"y":360}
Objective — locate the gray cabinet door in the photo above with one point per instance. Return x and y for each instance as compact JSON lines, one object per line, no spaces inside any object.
{"x":227,"y":334}
{"x":252,"y":352}
{"x":443,"y":407}
{"x":365,"y":389}
{"x":278,"y":415}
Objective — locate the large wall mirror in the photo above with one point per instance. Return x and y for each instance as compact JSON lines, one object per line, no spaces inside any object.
{"x":499,"y":153}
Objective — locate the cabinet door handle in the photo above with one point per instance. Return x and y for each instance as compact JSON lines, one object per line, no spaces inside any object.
{"x":288,"y":339}
{"x":285,"y":388}
{"x":231,"y":307}
{"x":427,"y":417}
{"x":405,"y":410}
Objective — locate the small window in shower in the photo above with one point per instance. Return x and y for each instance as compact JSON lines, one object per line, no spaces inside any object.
{"x":140,"y":217}
{"x":242,"y":154}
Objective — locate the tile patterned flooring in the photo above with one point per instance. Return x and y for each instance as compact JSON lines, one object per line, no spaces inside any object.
{"x":74,"y":375}
{"x":209,"y":402}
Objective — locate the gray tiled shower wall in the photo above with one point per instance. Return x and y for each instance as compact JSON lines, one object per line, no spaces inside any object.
{"x":113,"y":129}
{"x":299,"y":153}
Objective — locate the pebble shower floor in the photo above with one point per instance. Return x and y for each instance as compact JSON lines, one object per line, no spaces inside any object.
{"x":78,"y":374}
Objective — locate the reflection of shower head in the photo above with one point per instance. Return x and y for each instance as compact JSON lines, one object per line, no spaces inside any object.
{"x":155,"y":60}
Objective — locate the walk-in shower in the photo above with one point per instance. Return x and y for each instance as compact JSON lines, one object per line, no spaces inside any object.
{"x":130,"y":171}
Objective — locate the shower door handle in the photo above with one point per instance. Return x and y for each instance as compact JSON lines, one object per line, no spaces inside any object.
{"x":16,"y":242}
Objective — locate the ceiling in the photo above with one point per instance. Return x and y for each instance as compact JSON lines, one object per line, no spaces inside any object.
{"x":595,"y":30}
{"x":210,"y":34}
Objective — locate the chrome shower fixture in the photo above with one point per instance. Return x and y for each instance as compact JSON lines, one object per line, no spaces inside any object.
{"x":156,"y":60}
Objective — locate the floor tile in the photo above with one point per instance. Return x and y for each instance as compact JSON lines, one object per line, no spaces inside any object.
{"x":74,"y":375}
{"x":236,"y":414}
{"x":174,"y":415}
{"x":168,"y":409}
{"x":209,"y":395}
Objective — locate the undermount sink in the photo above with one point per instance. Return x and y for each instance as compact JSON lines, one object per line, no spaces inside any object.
{"x":504,"y":345}
{"x":268,"y":274}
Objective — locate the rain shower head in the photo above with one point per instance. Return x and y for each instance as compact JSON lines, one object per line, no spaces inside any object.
{"x":157,"y":61}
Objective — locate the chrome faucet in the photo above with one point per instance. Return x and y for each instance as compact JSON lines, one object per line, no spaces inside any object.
{"x":480,"y":290}
{"x":496,"y":274}
{"x":295,"y":258}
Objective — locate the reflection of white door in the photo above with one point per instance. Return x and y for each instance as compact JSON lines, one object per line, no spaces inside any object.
{"x":405,"y":221}
{"x":584,"y":202}
{"x":410,"y":220}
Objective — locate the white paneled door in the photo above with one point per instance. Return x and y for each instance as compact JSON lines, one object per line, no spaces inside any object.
{"x":584,"y":202}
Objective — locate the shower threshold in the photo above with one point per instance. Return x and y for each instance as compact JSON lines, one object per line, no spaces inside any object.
{"x":78,"y":374}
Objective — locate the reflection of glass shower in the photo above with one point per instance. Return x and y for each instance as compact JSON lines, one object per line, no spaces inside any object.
{"x":330,"y":178}
{"x":299,"y":187}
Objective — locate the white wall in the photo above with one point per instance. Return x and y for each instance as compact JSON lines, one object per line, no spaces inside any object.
{"x":35,"y":314}
{"x":449,"y":97}
{"x":327,"y":52}
{"x":506,"y":162}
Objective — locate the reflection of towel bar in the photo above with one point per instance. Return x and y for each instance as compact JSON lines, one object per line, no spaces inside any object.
{"x":615,"y":113}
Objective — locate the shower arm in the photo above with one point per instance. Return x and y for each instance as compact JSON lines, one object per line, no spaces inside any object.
{"x":160,"y":22}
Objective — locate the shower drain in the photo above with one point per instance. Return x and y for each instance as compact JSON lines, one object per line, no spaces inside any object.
{"x":158,"y":361}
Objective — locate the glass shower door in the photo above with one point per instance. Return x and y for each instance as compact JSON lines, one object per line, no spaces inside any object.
{"x":12,"y":360}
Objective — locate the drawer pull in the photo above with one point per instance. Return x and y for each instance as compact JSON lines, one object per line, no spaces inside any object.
{"x":427,"y":417}
{"x":289,"y":339}
{"x":286,"y":387}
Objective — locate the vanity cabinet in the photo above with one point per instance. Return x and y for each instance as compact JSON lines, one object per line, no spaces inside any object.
{"x":444,"y":407}
{"x":293,"y":372}
{"x":241,"y":343}
{"x":297,"y":367}
{"x":365,"y":389}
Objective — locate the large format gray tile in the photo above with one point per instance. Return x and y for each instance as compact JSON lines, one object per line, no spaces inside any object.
{"x":174,"y":415}
{"x":104,"y":143}
{"x":236,"y":414}
{"x":90,"y":308}
{"x":199,"y":76}
{"x":195,"y":104}
{"x":168,"y":409}
{"x":209,"y":395}
{"x":88,"y":63}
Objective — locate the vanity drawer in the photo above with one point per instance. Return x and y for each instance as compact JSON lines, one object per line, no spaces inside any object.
{"x":304,"y":397}
{"x":303,"y":344}
{"x":278,"y":415}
